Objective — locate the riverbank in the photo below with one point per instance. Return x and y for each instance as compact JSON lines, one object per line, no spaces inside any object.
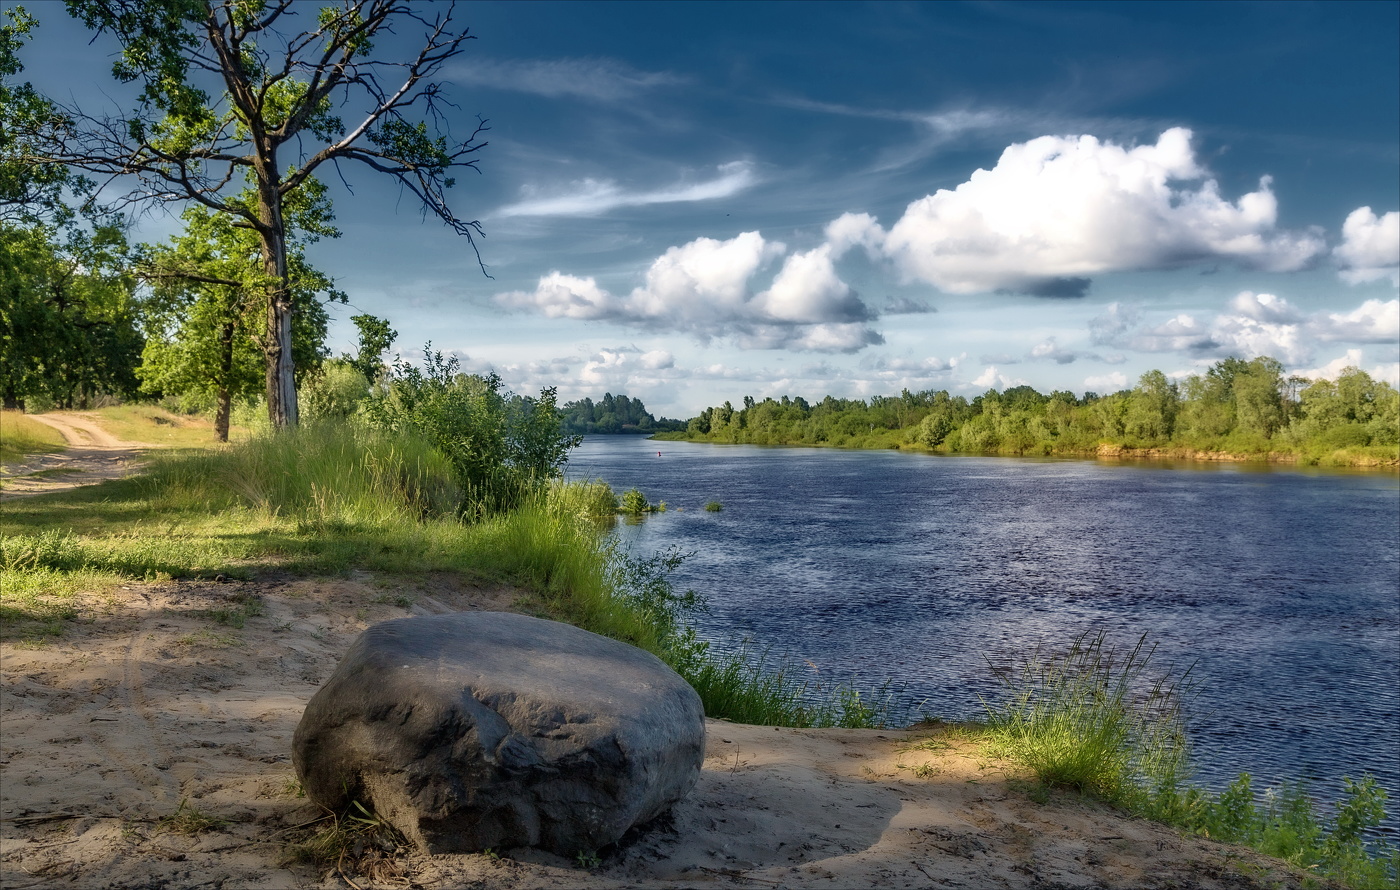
{"x":1367,"y":459}
{"x":149,"y":744}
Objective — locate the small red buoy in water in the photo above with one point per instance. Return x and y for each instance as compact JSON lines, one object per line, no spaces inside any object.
{"x":658,"y":454}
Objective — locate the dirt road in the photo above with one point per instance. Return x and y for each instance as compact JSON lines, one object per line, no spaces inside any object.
{"x":93,"y":455}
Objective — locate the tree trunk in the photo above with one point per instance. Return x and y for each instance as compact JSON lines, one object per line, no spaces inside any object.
{"x":277,"y":343}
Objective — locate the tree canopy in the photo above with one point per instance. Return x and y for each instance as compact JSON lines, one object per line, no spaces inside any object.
{"x":240,"y":104}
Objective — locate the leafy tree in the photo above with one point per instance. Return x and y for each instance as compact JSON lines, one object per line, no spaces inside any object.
{"x":235,"y":94}
{"x":1152,"y":407}
{"x":1258,"y":394}
{"x":67,"y":314}
{"x":206,"y":340}
{"x":29,"y":192}
{"x":375,"y":339}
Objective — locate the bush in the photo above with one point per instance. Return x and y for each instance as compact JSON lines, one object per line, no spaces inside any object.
{"x":633,"y":503}
{"x":501,"y":447}
{"x":713,"y":506}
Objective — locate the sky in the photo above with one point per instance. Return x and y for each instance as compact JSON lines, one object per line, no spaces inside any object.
{"x":695,"y":202}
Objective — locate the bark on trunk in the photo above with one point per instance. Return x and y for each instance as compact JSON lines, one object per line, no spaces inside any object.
{"x":277,"y":343}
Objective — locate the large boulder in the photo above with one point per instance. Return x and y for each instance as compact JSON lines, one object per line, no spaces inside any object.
{"x":487,"y":729}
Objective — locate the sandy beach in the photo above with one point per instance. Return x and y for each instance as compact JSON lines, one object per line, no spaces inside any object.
{"x":150,"y":718}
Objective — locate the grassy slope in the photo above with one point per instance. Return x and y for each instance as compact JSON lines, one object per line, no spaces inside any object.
{"x":20,"y":436}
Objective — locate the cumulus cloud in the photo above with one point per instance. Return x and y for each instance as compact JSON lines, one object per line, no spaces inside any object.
{"x":1251,"y":325}
{"x":854,"y":230}
{"x":709,"y":288}
{"x":594,"y":197}
{"x":1106,"y":382}
{"x":1373,"y":321}
{"x":1057,"y":210}
{"x":1370,"y":247}
{"x":991,"y":378}
{"x":603,"y":80}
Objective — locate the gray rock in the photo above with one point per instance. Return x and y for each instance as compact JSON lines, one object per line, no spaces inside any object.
{"x":488,"y":729}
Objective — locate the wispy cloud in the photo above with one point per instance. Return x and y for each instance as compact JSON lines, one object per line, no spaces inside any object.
{"x":601,"y":80}
{"x":593,"y":197}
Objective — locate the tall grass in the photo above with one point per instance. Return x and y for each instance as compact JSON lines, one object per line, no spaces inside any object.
{"x":1097,"y":720}
{"x":21,"y":435}
{"x":331,"y":496}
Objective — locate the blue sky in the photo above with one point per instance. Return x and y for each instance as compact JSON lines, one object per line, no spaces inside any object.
{"x":694,"y":202}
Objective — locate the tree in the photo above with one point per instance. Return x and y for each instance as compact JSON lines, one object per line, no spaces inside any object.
{"x":208,"y":299}
{"x":234,"y":94}
{"x":67,"y":314}
{"x":375,"y":339}
{"x":1152,"y":407}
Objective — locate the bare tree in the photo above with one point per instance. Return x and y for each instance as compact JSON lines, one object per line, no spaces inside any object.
{"x":240,"y":94}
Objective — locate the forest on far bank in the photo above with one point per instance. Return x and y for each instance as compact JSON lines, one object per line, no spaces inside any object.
{"x":1237,"y":407}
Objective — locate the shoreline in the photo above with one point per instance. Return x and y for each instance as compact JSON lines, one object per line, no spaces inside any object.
{"x":150,"y":745}
{"x":1103,"y":452}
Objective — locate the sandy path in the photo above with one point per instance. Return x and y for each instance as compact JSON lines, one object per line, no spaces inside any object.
{"x":151,"y":702}
{"x":93,"y":455}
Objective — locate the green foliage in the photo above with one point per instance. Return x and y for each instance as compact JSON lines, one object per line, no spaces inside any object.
{"x":633,"y":503}
{"x":713,"y":506}
{"x":67,"y":314}
{"x":1237,"y":406}
{"x":1091,"y":719}
{"x":375,"y":339}
{"x":335,"y":392}
{"x":614,"y":414}
{"x":1094,"y":720}
{"x":501,"y":447}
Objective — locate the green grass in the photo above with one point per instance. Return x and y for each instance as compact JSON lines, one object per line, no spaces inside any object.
{"x":325,"y":499}
{"x":21,"y":435}
{"x":1098,"y":720}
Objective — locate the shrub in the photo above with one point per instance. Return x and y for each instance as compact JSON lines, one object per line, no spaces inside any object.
{"x":500,"y":446}
{"x":713,"y":506}
{"x":633,"y":503}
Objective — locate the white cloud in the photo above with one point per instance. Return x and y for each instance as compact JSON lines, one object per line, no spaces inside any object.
{"x":1106,"y":382}
{"x":1371,"y":322}
{"x":657,"y":360}
{"x":593,"y":197}
{"x":854,"y":229}
{"x":1262,"y":324}
{"x":708,"y":288}
{"x":1370,"y":247}
{"x":1251,"y":325}
{"x":564,"y":296}
{"x":1050,"y":350}
{"x":1056,"y":210}
{"x":991,"y":378}
{"x":1387,"y":371}
{"x":603,"y":80}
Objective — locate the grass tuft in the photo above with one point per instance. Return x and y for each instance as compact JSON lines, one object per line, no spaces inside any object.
{"x":1093,"y":719}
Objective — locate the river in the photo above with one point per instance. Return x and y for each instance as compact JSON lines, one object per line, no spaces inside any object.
{"x":1280,"y":586}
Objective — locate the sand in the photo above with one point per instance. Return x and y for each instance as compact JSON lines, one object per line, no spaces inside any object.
{"x":149,"y":747}
{"x":150,"y":703}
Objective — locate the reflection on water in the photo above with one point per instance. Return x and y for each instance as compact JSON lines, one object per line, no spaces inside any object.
{"x":1282,"y":587}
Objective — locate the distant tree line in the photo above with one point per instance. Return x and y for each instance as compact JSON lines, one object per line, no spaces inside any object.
{"x":614,"y":414}
{"x":1236,"y":406}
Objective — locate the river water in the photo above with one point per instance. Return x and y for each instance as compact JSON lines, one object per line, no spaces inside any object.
{"x":1281,"y":587}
